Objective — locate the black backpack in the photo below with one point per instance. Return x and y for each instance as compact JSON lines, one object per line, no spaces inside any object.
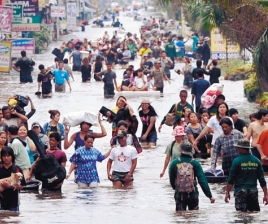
{"x":47,"y":169}
{"x":50,"y":172}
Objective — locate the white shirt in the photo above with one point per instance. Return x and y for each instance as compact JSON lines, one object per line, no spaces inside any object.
{"x":122,"y":157}
{"x":139,"y":83}
{"x":214,"y":124}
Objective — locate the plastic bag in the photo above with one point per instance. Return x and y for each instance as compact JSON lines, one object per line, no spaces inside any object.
{"x":209,"y":96}
{"x":76,"y":118}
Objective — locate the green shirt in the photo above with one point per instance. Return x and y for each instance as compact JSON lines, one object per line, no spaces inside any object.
{"x":179,"y":112}
{"x":170,"y":49}
{"x":245,"y":171}
{"x":198,"y":172}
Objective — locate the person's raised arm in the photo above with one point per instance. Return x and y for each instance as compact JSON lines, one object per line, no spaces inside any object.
{"x":31,"y":113}
{"x":68,"y":143}
{"x":22,"y":117}
{"x":103,"y":130}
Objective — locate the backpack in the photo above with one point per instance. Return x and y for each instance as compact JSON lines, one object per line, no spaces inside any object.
{"x":170,"y":117}
{"x":50,"y":172}
{"x":185,"y":180}
{"x":47,"y":169}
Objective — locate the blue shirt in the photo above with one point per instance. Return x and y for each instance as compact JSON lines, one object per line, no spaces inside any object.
{"x":198,"y":88}
{"x":195,"y":42}
{"x":85,"y":159}
{"x":60,"y":76}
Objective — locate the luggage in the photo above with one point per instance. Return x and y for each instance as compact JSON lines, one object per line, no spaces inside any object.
{"x":47,"y":169}
{"x":170,"y":117}
{"x":57,"y":52}
{"x":76,"y":118}
{"x":209,"y":96}
{"x":50,"y":172}
{"x":215,"y":176}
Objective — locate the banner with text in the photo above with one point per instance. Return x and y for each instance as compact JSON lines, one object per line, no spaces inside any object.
{"x":57,"y":11}
{"x":71,"y":15}
{"x":27,"y":15}
{"x":222,"y":48}
{"x":5,"y":19}
{"x":5,"y":50}
{"x":23,"y":44}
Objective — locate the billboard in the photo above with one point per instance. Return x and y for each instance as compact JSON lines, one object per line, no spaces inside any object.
{"x":6,"y":16}
{"x":71,"y":12}
{"x":221,"y":47}
{"x":57,"y":11}
{"x":23,"y":44}
{"x":26,"y":15}
{"x":5,"y":50}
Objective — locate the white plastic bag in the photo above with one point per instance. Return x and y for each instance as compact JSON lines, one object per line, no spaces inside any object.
{"x":76,"y":118}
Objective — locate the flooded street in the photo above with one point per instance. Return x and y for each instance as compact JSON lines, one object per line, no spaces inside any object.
{"x":151,"y":200}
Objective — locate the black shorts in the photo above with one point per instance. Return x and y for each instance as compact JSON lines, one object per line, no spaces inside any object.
{"x":184,"y":200}
{"x":119,"y":176}
{"x":247,"y":200}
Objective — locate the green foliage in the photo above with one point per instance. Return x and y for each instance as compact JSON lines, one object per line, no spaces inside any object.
{"x":264,"y":100}
{"x":42,"y":38}
{"x":251,"y":88}
{"x":261,"y":60}
{"x":203,"y":16}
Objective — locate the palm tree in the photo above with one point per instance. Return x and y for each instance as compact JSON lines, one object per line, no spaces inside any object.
{"x":243,"y":21}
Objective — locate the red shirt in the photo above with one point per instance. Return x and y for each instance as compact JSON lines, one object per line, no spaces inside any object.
{"x":58,"y":154}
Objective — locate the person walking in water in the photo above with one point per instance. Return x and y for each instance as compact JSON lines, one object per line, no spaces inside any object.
{"x":25,"y":67}
{"x":83,"y":161}
{"x":246,"y":169}
{"x":109,"y":79}
{"x":124,"y":158}
{"x":60,"y":76}
{"x":183,"y":173}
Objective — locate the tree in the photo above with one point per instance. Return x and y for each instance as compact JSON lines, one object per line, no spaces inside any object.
{"x":242,"y":21}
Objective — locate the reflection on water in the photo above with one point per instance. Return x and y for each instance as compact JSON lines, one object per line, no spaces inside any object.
{"x":151,"y":200}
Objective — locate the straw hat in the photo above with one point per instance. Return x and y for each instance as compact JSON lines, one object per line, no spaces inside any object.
{"x":242,"y":143}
